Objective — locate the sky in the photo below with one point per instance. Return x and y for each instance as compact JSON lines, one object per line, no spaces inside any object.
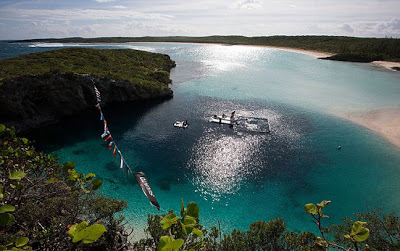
{"x":27,"y":19}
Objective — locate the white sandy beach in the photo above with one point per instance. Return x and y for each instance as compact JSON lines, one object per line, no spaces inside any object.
{"x":317,"y":54}
{"x":385,"y":122}
{"x":386,"y":64}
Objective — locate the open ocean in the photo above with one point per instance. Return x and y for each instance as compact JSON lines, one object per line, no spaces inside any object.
{"x":241,"y":177}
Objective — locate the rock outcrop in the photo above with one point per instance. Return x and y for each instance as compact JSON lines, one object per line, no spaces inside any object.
{"x":29,"y":102}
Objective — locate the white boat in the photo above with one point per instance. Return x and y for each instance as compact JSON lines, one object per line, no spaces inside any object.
{"x":180,"y":124}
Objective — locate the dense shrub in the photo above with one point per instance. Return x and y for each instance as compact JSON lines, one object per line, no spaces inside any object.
{"x":43,"y":201}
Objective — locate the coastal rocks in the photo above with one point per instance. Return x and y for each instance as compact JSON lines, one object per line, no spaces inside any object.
{"x":29,"y":102}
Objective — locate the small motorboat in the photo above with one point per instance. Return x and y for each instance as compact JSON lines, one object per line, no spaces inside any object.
{"x":181,"y":124}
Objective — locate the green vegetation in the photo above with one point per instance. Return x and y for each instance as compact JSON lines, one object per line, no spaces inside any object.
{"x":147,"y":71}
{"x":170,"y":233}
{"x":373,"y":48}
{"x":46,"y":206}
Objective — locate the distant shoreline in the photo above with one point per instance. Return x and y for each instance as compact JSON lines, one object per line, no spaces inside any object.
{"x":320,"y":54}
{"x":317,"y":54}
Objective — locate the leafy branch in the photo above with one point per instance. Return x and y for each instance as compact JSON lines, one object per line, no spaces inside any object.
{"x":358,"y":233}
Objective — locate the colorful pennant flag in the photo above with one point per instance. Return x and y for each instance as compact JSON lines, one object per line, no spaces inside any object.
{"x":144,"y":184}
{"x":115,"y":148}
{"x":140,"y":176}
{"x":105,"y":125}
{"x":105,"y":134}
{"x":122,"y":163}
{"x":97,"y":94}
{"x":109,"y":137}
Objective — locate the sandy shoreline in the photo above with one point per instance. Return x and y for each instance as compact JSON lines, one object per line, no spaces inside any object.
{"x":385,"y":122}
{"x":317,"y":54}
{"x":386,"y":64}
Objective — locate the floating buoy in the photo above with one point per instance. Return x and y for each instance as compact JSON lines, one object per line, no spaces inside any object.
{"x":339,"y":147}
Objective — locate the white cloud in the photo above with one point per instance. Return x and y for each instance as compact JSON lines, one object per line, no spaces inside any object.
{"x":201,"y":18}
{"x":119,"y":7}
{"x":77,"y":15}
{"x":247,"y":4}
{"x":390,"y":28}
{"x":105,"y":1}
{"x":347,"y":28}
{"x":130,"y":28}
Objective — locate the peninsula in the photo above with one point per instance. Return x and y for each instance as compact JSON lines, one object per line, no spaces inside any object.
{"x":42,"y":88}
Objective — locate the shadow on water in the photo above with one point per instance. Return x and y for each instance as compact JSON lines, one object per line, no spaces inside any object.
{"x":111,"y":166}
{"x":71,"y":130}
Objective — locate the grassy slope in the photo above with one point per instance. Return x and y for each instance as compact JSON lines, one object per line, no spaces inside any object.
{"x":138,"y":67}
{"x":376,"y":48}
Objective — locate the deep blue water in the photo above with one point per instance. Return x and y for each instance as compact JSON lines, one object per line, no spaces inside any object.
{"x":240,"y":177}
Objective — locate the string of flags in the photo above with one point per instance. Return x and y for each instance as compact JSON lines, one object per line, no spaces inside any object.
{"x":140,"y":177}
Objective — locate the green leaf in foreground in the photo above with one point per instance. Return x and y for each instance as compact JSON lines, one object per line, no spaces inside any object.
{"x":51,"y":180}
{"x":189,"y":223}
{"x":81,"y":232}
{"x":96,"y":184}
{"x":7,"y":208}
{"x":193,"y":210}
{"x":197,"y":232}
{"x":168,"y":220}
{"x":1,"y":192}
{"x":90,"y":176}
{"x":167,"y":243}
{"x":311,"y":208}
{"x":2,"y":128}
{"x":21,"y":241}
{"x":359,"y":232}
{"x":6,"y":219}
{"x":68,"y":165}
{"x":17,"y":175}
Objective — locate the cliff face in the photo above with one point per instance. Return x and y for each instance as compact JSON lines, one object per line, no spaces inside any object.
{"x":29,"y":102}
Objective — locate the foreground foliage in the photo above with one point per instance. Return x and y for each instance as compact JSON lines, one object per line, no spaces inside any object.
{"x":170,"y":233}
{"x":48,"y":206}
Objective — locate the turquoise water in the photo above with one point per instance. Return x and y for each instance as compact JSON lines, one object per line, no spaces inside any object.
{"x":239,"y":177}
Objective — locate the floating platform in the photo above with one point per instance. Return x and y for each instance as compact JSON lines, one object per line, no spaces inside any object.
{"x":220,"y":120}
{"x":253,"y":124}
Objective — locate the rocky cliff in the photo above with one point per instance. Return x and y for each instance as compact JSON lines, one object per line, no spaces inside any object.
{"x":31,"y":101}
